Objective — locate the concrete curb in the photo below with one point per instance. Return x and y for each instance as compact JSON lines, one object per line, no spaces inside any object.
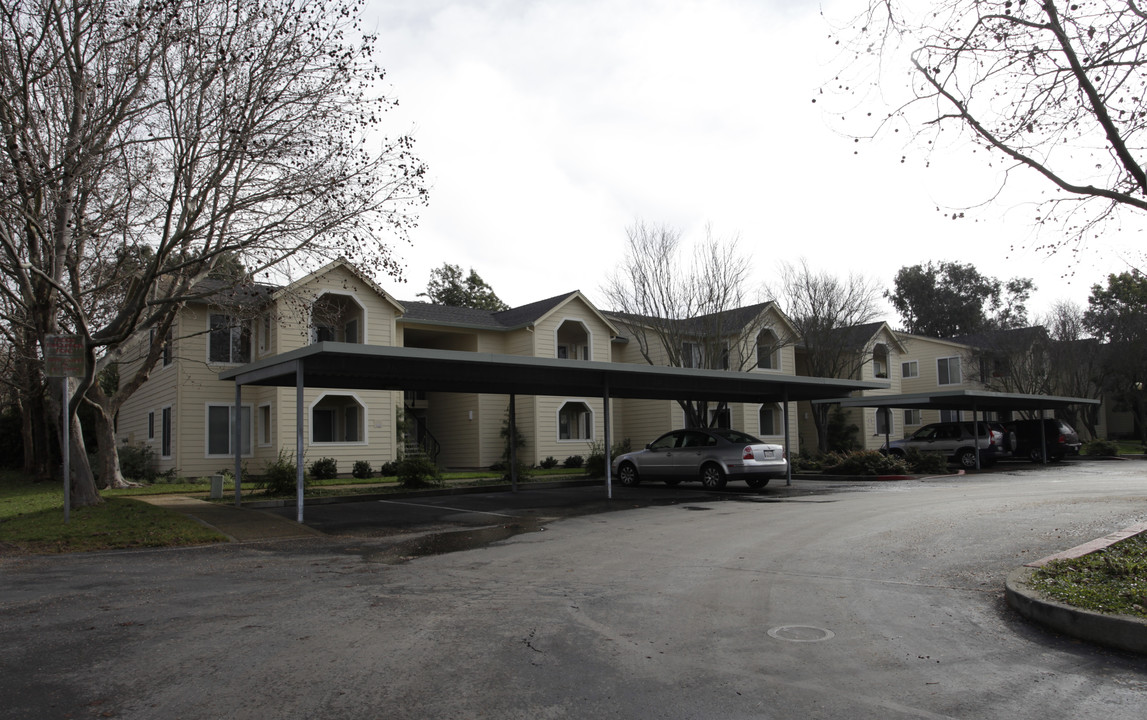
{"x":1121,"y":632}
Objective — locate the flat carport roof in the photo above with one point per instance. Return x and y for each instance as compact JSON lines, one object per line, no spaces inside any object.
{"x":974,"y":400}
{"x":332,"y":365}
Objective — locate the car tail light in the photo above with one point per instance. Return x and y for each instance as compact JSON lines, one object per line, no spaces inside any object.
{"x":748,"y":454}
{"x":1061,"y":440}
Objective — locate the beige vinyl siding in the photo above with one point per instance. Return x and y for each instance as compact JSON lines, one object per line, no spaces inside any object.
{"x":548,"y":444}
{"x":449,"y":419}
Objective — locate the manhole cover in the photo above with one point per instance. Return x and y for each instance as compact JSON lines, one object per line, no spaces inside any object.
{"x":801,"y":633}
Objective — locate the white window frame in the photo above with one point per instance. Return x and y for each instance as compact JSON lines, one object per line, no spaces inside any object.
{"x":885,"y":413}
{"x":354,"y":298}
{"x":913,"y":417}
{"x":949,"y":416}
{"x":235,"y":324}
{"x":774,"y":354}
{"x":150,"y":425}
{"x":248,"y":438}
{"x":778,"y":420}
{"x":948,"y":363}
{"x":573,"y":352}
{"x":910,"y":369}
{"x":362,"y":418}
{"x":588,"y":423}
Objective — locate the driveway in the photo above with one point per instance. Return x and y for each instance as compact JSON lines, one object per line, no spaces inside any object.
{"x":872,"y":600}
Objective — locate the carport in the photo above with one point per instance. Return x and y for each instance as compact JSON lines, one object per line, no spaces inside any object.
{"x":977,"y":401}
{"x":332,"y":365}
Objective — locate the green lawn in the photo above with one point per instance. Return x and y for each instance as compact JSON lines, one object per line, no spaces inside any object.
{"x":32,"y":521}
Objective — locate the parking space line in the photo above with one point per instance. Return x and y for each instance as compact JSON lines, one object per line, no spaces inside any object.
{"x":444,"y":507}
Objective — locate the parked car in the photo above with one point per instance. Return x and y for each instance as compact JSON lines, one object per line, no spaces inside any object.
{"x":1061,"y":439}
{"x":713,"y":455}
{"x":957,"y":441}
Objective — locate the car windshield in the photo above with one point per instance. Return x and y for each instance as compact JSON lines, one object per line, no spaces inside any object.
{"x":735,"y":436}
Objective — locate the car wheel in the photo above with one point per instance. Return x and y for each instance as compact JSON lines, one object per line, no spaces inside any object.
{"x":896,"y":452}
{"x":757,"y":483}
{"x":712,"y":477}
{"x":1035,"y":455}
{"x":967,"y":458}
{"x":673,"y":483}
{"x":627,"y":474}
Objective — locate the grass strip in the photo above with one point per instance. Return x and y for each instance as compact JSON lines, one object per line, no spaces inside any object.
{"x":1112,"y":580}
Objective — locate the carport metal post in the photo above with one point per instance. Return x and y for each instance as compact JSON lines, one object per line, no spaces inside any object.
{"x":237,"y":443}
{"x":976,"y":435}
{"x":887,"y":429}
{"x":1042,"y":439}
{"x":608,"y":443}
{"x":299,"y":382}
{"x":513,"y":446}
{"x":788,"y":455}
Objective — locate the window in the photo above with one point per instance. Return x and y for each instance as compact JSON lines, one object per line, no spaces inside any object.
{"x":880,"y":361}
{"x":165,"y":433}
{"x":690,"y":355}
{"x":167,"y":340}
{"x":879,"y":369}
{"x":912,"y":417}
{"x":768,"y":358}
{"x":575,"y":422}
{"x":229,"y":340}
{"x":769,"y":423}
{"x":948,"y":371}
{"x":220,"y":430}
{"x":949,"y":416}
{"x":694,"y":355}
{"x":883,"y":421}
{"x":910,"y":369}
{"x":338,"y":317}
{"x":572,"y":340}
{"x":265,"y":333}
{"x":337,"y":419}
{"x":150,"y":425}
{"x":264,"y":424}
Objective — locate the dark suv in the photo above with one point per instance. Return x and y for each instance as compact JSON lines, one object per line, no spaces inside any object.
{"x":1061,"y":439}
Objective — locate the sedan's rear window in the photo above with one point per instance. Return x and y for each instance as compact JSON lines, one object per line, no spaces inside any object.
{"x":735,"y":436}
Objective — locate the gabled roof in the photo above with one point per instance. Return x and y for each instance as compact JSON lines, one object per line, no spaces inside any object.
{"x":859,"y":336}
{"x":346,"y":265}
{"x":227,"y":293}
{"x":1014,"y":338}
{"x":730,"y":321}
{"x":503,"y":320}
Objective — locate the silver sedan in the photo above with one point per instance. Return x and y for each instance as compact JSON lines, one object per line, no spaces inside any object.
{"x":713,"y":455}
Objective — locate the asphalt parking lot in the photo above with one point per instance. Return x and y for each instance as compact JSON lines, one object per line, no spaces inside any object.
{"x":854,"y":600}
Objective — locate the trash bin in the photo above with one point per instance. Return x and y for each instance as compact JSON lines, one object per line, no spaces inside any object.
{"x":216,"y":487}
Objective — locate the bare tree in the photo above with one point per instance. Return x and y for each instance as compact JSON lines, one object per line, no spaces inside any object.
{"x":1076,"y":363}
{"x":146,"y":142}
{"x":1052,"y":87}
{"x":832,"y":319}
{"x":690,"y":310}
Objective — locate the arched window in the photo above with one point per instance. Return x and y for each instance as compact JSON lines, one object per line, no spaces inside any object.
{"x":338,"y":318}
{"x":770,"y":420}
{"x":768,"y":350}
{"x":880,"y":361}
{"x":575,"y":421}
{"x":337,"y":419}
{"x":573,"y":341}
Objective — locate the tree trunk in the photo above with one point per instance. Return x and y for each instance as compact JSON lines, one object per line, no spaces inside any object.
{"x":820,"y":422}
{"x":83,"y":483}
{"x":111,"y":476}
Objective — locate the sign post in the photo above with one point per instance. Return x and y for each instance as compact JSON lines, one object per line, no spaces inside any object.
{"x":64,"y":358}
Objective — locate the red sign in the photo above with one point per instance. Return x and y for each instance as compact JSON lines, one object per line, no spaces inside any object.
{"x":64,"y":356}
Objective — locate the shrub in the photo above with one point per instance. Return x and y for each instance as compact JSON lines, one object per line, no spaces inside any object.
{"x":1101,"y":447}
{"x":138,"y":462}
{"x":595,"y":463}
{"x":280,"y":476}
{"x":362,"y":469}
{"x":574,"y":461}
{"x":388,"y":469}
{"x":418,"y":471}
{"x":549,"y":463}
{"x":808,"y":462}
{"x":924,"y":463}
{"x":324,"y":469}
{"x":867,"y":462}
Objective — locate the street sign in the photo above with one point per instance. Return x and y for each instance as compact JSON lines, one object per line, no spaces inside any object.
{"x":64,"y":356}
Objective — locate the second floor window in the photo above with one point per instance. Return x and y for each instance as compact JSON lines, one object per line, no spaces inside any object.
{"x":229,"y":340}
{"x":948,"y":371}
{"x":910,"y":369}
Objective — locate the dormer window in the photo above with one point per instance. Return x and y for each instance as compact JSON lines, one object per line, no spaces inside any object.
{"x":337,"y":318}
{"x":572,"y":341}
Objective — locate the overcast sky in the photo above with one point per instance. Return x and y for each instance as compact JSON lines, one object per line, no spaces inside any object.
{"x":549,"y":126}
